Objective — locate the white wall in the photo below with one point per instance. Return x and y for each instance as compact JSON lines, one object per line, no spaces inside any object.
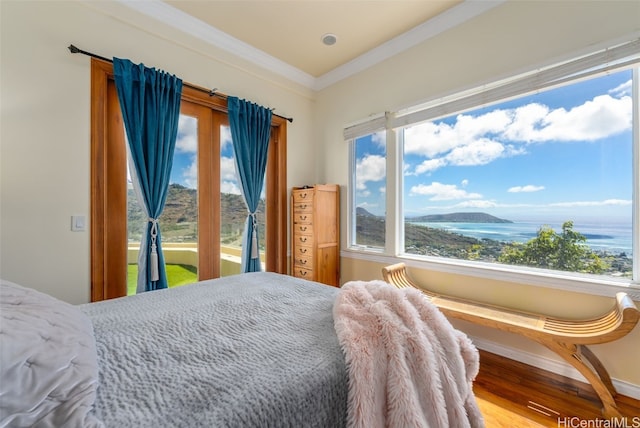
{"x":514,"y":37}
{"x":45,"y":124}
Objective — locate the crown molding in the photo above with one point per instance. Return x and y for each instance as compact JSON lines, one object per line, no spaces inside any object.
{"x":186,"y":23}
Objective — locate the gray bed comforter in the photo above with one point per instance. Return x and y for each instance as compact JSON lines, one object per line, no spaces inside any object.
{"x":251,"y":350}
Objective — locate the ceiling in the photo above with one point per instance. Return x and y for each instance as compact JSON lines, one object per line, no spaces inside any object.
{"x":292,"y":30}
{"x":285,"y":36}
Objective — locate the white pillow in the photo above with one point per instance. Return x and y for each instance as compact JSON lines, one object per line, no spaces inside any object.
{"x":48,"y":361}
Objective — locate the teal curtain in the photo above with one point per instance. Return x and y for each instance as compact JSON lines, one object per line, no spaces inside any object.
{"x":150,"y":105}
{"x":250,"y":126}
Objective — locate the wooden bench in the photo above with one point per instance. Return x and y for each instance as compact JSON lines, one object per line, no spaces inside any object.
{"x":567,"y":338}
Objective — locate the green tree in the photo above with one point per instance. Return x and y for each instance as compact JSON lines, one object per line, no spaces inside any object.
{"x":565,"y":251}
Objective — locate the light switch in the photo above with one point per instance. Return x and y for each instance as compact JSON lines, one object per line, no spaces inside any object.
{"x":78,"y":223}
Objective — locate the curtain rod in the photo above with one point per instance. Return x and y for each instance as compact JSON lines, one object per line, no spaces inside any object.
{"x":211,"y":92}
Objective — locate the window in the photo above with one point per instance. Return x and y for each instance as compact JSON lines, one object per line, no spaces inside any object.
{"x":538,"y":173}
{"x":195,"y":208}
{"x":543,"y":181}
{"x":369,"y":184}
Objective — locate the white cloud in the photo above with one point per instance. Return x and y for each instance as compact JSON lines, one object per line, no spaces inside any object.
{"x":595,"y":119}
{"x":481,"y":139}
{"x":464,"y":183}
{"x":190,"y":174}
{"x":527,"y":188}
{"x":229,"y":181}
{"x":431,"y":140}
{"x":442,"y":192}
{"x":225,"y":137}
{"x":479,"y":152}
{"x":622,"y":89}
{"x":367,"y":205}
{"x":228,"y":169}
{"x":229,"y":187}
{"x":364,"y":193}
{"x":370,"y":168}
{"x":524,"y":120}
{"x":607,"y":202}
{"x":379,"y":138}
{"x":187,"y":139}
{"x":430,"y":165}
{"x":481,"y":203}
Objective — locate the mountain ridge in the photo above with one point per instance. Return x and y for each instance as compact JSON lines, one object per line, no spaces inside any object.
{"x":456,"y":217}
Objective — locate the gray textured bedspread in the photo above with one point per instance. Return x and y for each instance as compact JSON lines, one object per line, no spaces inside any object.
{"x":251,"y":350}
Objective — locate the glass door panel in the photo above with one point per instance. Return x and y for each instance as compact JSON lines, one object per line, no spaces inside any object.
{"x":179,"y":219}
{"x":233,"y":211}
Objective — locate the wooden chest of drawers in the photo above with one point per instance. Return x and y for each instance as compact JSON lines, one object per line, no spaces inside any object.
{"x":315,"y":233}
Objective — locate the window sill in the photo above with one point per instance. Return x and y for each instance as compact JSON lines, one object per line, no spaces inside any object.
{"x":586,"y":284}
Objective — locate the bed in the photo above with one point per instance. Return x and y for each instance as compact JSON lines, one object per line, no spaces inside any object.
{"x":250,"y":350}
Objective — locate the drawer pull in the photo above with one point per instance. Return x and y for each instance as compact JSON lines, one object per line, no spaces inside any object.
{"x":303,"y":250}
{"x":303,"y":272}
{"x":303,"y":195}
{"x":302,"y":262}
{"x":303,"y":239}
{"x":303,"y":228}
{"x":303,"y":217}
{"x":303,"y":207}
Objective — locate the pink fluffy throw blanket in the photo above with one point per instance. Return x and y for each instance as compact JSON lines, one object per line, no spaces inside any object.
{"x":407,"y":366}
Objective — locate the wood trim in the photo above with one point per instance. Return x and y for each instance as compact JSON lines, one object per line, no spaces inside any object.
{"x":98,"y":185}
{"x":208,"y":221}
{"x":108,"y":162}
{"x":276,"y":237}
{"x":201,"y":98}
{"x":214,"y":165}
{"x":115,"y":255}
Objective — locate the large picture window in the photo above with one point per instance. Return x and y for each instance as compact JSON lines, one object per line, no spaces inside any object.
{"x":543,"y":181}
{"x":535,"y":174}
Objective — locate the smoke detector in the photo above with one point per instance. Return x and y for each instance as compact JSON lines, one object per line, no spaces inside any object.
{"x":329,"y":39}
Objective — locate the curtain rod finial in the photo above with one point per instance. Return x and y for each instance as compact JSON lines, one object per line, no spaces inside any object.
{"x":73,"y":49}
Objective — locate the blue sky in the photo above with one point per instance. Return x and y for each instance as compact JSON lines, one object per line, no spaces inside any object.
{"x":564,"y":154}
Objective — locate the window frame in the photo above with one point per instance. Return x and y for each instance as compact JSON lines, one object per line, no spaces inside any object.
{"x":394,"y":246}
{"x":108,"y":241}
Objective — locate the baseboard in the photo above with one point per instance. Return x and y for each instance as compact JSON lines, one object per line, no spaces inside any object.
{"x":554,"y":366}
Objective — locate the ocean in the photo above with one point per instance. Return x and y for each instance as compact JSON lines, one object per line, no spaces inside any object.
{"x":613,"y":238}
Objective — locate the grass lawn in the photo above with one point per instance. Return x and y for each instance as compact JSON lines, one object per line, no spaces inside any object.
{"x":177,"y":275}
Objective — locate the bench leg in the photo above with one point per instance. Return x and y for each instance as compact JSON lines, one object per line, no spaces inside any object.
{"x":599,"y":380}
{"x":599,"y":368}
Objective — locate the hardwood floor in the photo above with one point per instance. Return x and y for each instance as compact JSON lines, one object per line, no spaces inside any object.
{"x":515,"y":395}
